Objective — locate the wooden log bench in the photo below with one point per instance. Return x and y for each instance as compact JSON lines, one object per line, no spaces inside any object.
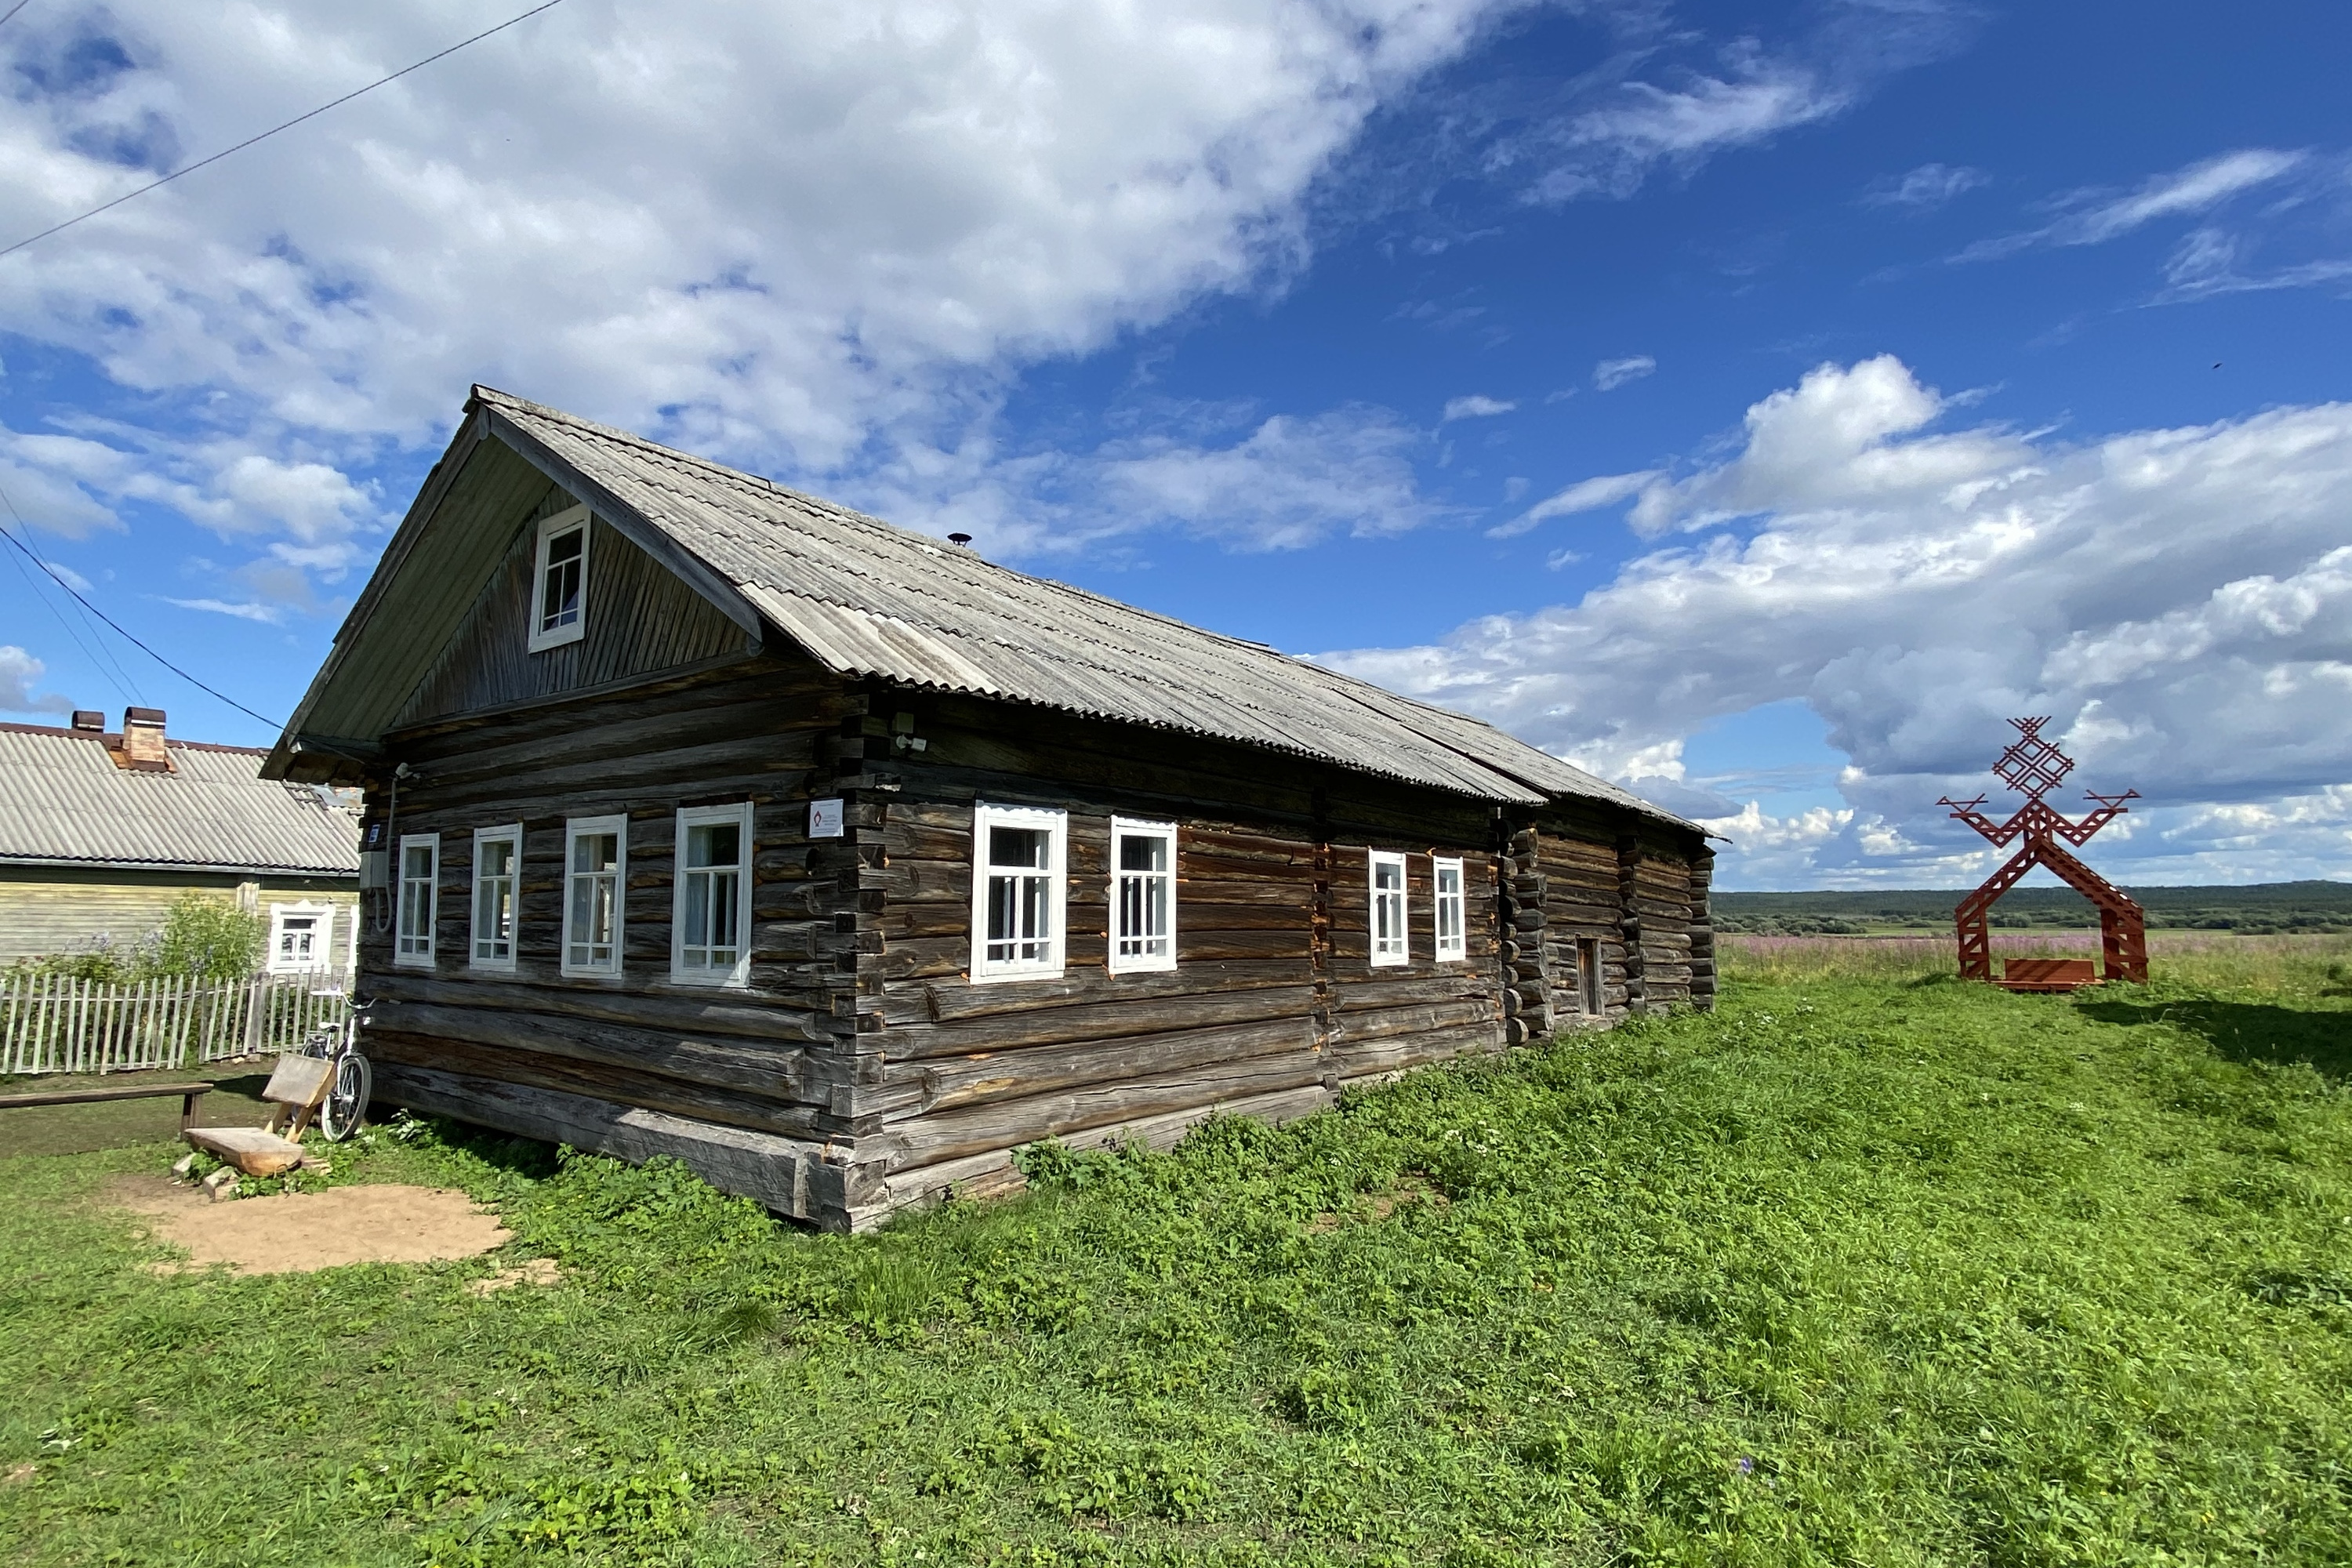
{"x":189,"y":1094}
{"x":2047,"y":974}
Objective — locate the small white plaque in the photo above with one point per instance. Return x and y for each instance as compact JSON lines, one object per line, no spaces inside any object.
{"x":824,"y":818}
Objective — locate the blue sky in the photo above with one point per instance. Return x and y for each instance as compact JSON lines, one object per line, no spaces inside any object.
{"x":1756,"y":404}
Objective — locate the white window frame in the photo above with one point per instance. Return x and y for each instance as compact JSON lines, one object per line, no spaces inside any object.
{"x":510,"y":834}
{"x":406,"y":952}
{"x":1398,"y":950}
{"x":1057,"y":826}
{"x":1453,"y":947}
{"x":1123,"y":829}
{"x":682,"y":877}
{"x":322,"y":938}
{"x":542,"y":636}
{"x":574,"y":829}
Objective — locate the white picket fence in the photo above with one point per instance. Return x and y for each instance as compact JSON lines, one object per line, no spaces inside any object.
{"x":51,"y":1023}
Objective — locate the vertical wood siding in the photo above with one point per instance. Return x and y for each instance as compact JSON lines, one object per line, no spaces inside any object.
{"x":641,"y":619}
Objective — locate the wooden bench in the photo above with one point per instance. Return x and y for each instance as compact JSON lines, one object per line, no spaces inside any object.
{"x":297,"y":1086}
{"x":2047,"y":974}
{"x":189,"y":1094}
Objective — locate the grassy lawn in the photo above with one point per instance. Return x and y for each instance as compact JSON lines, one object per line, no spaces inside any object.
{"x":1862,"y":1268}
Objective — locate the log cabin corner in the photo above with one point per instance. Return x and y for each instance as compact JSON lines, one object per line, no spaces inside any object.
{"x":708,"y":819}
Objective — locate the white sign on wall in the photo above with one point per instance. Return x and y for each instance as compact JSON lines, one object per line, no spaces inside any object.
{"x":824,"y":818}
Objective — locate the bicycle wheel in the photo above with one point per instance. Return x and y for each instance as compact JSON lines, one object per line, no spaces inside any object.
{"x":345,"y":1107}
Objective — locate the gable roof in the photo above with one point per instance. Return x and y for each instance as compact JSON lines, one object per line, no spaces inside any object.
{"x":63,"y":802}
{"x":867,"y":599}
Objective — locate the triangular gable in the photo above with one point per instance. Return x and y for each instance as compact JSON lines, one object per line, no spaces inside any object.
{"x":456,"y":549}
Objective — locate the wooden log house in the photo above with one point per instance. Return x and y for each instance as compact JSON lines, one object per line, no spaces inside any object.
{"x":708,"y":819}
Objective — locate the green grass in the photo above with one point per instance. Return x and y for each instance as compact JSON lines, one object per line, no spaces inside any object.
{"x":1853,"y":1271}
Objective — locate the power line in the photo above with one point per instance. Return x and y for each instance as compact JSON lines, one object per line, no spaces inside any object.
{"x":278,"y":724}
{"x":110,"y":668}
{"x":11,"y":16}
{"x":201,"y":163}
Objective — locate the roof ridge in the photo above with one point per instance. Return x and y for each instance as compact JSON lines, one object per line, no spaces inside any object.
{"x":913,"y":536}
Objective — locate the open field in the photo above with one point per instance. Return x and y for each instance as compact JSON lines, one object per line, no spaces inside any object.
{"x":1864,"y":1269}
{"x":2295,"y":967}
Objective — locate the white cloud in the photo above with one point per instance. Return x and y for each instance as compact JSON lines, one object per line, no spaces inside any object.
{"x":1611,"y":148}
{"x":773,"y":235}
{"x":1474,"y":407}
{"x":268,"y":614}
{"x":1612,"y":374}
{"x":2096,"y":217}
{"x":1290,"y":482}
{"x":2178,"y":598}
{"x":1585,"y":495}
{"x":20,"y":672}
{"x":1927,"y":187}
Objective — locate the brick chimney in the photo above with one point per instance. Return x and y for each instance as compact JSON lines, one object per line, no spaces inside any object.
{"x":143,"y":741}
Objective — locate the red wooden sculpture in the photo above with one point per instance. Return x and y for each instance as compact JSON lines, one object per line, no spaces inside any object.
{"x":2034,"y":767}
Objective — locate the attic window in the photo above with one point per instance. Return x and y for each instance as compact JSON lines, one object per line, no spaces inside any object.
{"x":559,"y":583}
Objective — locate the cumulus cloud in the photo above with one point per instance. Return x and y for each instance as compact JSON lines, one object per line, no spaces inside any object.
{"x":2176,"y":597}
{"x":805,"y":240}
{"x":1474,"y":407}
{"x":20,"y":672}
{"x":1925,"y":188}
{"x":1612,"y":374}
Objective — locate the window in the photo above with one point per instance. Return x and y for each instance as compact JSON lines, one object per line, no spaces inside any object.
{"x":559,"y":583}
{"x":497,"y":858}
{"x":710,"y":928}
{"x":297,"y":937}
{"x":1588,"y":973}
{"x":420,"y":872}
{"x":1142,"y":895}
{"x":1388,"y":944}
{"x":595,"y":870}
{"x":1452,"y":945}
{"x":1018,"y":893}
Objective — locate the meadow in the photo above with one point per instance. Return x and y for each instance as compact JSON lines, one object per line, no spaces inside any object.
{"x":1869,"y":1266}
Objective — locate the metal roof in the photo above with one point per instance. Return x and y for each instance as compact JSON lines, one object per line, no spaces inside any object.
{"x":63,"y":802}
{"x":867,"y":599}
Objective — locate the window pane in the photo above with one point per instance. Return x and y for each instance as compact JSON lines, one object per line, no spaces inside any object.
{"x":714,"y":844}
{"x":1023,"y":846}
{"x":698,"y":909}
{"x":595,"y":852}
{"x":1143,"y":852}
{"x":1388,"y":874}
{"x":723,"y":914}
{"x":564,"y":546}
{"x":416,"y":860}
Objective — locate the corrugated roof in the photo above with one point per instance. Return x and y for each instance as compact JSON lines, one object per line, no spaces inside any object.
{"x":868,"y":599}
{"x":63,"y":801}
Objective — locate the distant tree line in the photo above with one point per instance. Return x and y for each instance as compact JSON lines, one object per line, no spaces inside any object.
{"x":2257,"y":908}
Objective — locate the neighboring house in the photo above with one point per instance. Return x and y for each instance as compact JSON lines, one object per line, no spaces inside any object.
{"x":101,"y":833}
{"x":720,"y":822}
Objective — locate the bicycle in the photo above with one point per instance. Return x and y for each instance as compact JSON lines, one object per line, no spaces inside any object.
{"x":345,"y":1107}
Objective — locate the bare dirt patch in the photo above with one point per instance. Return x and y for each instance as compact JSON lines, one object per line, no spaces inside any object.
{"x":1412,"y":1186}
{"x":295,"y":1233}
{"x":531,"y":1271}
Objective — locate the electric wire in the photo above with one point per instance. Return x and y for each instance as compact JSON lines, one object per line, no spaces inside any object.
{"x":278,"y":724}
{"x":251,"y":141}
{"x":93,"y":646}
{"x":99,"y":654}
{"x":11,"y":16}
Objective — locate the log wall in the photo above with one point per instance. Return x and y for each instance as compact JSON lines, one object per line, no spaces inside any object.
{"x":862,"y":1069}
